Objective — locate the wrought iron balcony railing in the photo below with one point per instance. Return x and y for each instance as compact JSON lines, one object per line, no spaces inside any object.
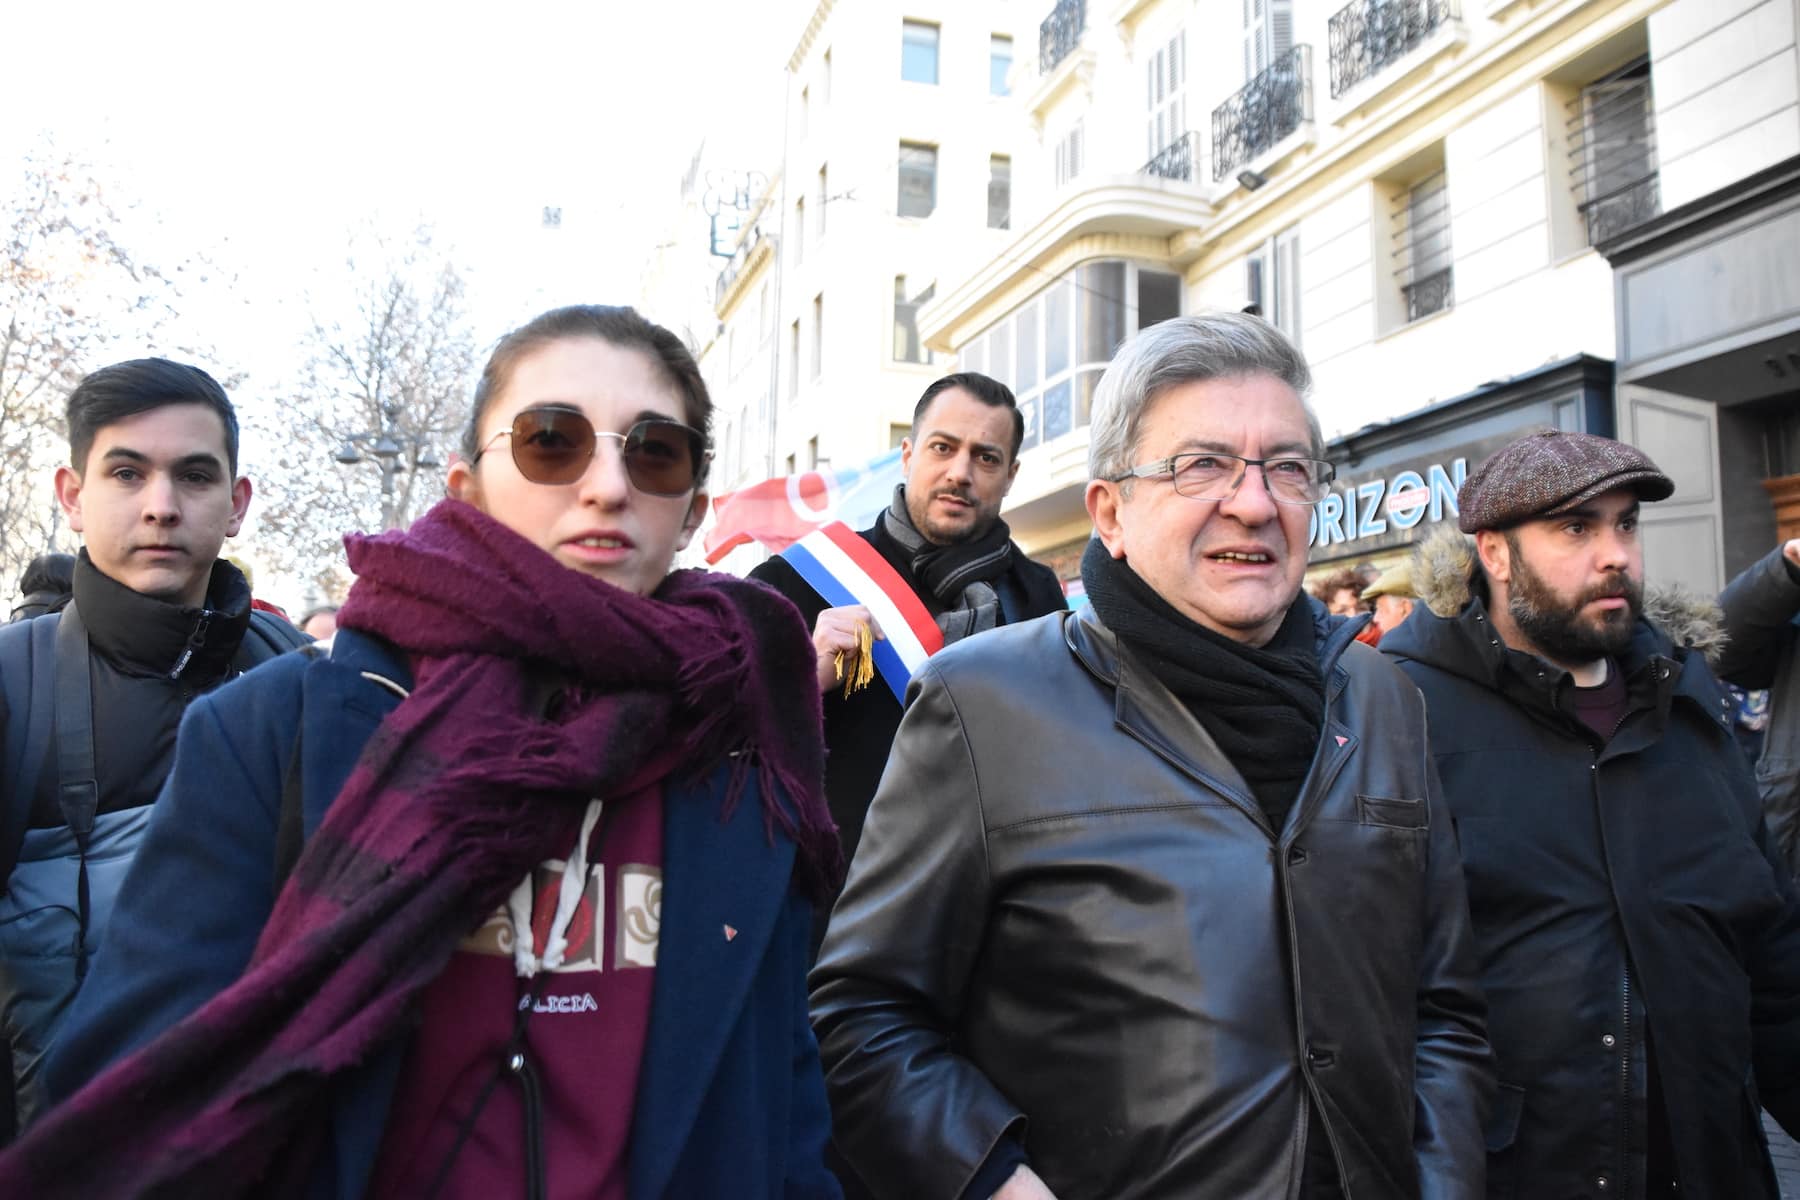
{"x":1175,"y":160}
{"x":1368,"y":36}
{"x":1060,"y":32}
{"x":1627,"y":208}
{"x":1263,"y":111}
{"x":1431,"y":294}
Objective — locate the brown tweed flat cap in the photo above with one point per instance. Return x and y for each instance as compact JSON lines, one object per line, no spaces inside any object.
{"x":1551,"y":472}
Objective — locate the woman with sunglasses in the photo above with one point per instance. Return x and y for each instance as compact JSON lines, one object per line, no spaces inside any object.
{"x":426,"y":948}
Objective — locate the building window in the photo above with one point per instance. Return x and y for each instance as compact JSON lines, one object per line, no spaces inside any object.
{"x":799,"y":231}
{"x":999,"y":65}
{"x":1052,"y":349}
{"x":1068,"y":155}
{"x":794,"y":359}
{"x":819,"y":199}
{"x":918,"y":52}
{"x":1612,"y":142}
{"x":818,"y":338}
{"x":812,"y":454}
{"x":1159,"y":297}
{"x":999,"y":192}
{"x":825,"y":78}
{"x":918,"y":180}
{"x":805,"y":112}
{"x":898,"y":434}
{"x":1166,"y":75}
{"x":907,"y":346}
{"x":1272,"y":283}
{"x":1422,"y":247}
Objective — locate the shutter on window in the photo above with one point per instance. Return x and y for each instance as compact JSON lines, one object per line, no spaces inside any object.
{"x":1281,"y":29}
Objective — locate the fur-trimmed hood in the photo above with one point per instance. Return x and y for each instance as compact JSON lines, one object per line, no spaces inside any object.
{"x":1444,"y":568}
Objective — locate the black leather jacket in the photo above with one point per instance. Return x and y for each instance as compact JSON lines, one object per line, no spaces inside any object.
{"x":1069,"y":921}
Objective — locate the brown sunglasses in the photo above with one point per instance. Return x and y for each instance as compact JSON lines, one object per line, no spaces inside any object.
{"x":554,"y":444}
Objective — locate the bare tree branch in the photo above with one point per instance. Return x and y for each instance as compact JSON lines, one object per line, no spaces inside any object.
{"x":402,"y":362}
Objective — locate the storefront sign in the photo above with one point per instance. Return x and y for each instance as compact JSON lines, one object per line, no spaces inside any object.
{"x":1381,"y":512}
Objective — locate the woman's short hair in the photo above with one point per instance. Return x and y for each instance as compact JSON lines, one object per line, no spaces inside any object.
{"x":616,"y":325}
{"x":1338,"y":581}
{"x":1220,"y":345}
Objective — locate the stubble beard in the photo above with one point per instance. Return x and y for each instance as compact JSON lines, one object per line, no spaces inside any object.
{"x":1559,"y":628}
{"x":955,"y":535}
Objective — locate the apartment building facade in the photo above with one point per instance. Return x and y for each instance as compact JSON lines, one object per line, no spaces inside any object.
{"x":895,"y":176}
{"x":1477,"y":217}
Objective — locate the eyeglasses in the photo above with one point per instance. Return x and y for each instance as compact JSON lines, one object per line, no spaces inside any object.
{"x":554,"y":444}
{"x":1209,"y":476}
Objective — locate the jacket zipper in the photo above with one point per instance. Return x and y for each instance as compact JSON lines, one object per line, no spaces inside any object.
{"x":1624,"y":1188}
{"x":1623,"y":1162}
{"x":195,"y":640}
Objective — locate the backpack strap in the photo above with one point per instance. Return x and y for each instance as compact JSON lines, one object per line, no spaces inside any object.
{"x":27,"y":680}
{"x":267,"y":636}
{"x":78,"y":787}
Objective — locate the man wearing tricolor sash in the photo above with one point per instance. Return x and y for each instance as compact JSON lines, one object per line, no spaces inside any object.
{"x":938,"y":566}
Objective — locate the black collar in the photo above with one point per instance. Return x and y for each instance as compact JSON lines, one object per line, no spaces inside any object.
{"x":142,"y":635}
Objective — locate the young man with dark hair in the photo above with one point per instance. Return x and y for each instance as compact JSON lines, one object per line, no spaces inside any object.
{"x":944,"y":539}
{"x":90,"y":697}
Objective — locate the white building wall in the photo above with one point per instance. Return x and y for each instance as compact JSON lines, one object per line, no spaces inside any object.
{"x":1727,"y":92}
{"x":1515,"y":307}
{"x":853,"y":406}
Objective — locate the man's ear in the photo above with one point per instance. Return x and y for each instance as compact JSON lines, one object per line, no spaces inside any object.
{"x":68,"y":496}
{"x":1103,"y":503}
{"x":1495,"y":555}
{"x":240,"y":505}
{"x":691,"y":523}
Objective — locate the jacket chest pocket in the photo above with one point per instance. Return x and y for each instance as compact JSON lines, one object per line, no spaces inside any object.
{"x":1392,"y":812}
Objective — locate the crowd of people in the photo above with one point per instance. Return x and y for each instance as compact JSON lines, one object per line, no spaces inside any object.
{"x":542,"y":869}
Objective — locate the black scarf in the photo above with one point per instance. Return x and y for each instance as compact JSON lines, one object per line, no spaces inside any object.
{"x":1265,"y":707}
{"x":961,"y":576}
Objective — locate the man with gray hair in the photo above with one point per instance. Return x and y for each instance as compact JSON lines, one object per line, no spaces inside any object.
{"x":1160,"y":899}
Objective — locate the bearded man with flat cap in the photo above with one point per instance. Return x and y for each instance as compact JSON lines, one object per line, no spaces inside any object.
{"x":1639,"y":942}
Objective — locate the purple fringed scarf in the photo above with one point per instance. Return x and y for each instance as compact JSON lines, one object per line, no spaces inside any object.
{"x":459,"y":793}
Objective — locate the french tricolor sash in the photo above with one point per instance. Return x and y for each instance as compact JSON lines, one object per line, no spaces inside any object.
{"x":844,"y":569}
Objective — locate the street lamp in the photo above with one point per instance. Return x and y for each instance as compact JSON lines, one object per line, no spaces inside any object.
{"x":389,"y":447}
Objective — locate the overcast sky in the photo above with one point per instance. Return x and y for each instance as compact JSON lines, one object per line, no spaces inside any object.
{"x":259,"y":135}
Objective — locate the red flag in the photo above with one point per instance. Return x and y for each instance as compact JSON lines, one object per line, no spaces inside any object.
{"x":779,"y":512}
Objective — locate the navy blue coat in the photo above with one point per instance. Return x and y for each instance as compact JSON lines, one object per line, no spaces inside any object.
{"x":730,"y":1101}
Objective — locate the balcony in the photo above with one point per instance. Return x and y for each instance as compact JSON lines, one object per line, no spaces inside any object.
{"x":752,"y":253}
{"x":1060,"y":32}
{"x":1263,"y":112}
{"x":1624,"y":208}
{"x":1369,"y":36}
{"x":1176,"y":160}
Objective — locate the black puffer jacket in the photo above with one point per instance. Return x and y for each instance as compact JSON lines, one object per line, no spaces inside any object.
{"x":1762,"y":615}
{"x":1628,"y":909}
{"x":1070,"y":923}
